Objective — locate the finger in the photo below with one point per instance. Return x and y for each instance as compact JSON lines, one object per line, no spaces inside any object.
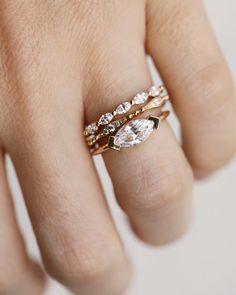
{"x":152,"y":181}
{"x":18,"y":274}
{"x":185,"y":51}
{"x":77,"y":238}
{"x":78,"y":241}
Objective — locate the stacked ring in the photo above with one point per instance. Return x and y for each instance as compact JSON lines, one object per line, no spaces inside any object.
{"x":127,"y":130}
{"x":123,"y":108}
{"x":133,"y":133}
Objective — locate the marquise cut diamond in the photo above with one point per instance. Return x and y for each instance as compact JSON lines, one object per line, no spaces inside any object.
{"x":123,"y":108}
{"x":134,"y":132}
{"x":140,"y":98}
{"x":154,"y":91}
{"x":92,"y":128}
{"x":105,"y":119}
{"x":156,"y":102}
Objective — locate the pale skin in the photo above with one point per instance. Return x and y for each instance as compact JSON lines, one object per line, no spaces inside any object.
{"x":64,"y":63}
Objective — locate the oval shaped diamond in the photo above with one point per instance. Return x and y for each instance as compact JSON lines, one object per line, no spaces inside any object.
{"x":134,"y":132}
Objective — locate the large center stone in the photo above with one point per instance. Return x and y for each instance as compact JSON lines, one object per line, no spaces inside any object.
{"x":134,"y":132}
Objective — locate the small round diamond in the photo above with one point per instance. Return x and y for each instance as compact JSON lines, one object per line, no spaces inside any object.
{"x":116,"y":124}
{"x":154,"y":91}
{"x":109,"y":129}
{"x":90,"y":137}
{"x":92,"y":128}
{"x":105,"y":119}
{"x":140,"y":98}
{"x":123,"y":108}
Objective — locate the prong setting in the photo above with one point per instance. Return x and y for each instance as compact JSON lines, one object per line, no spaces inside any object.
{"x":127,"y":130}
{"x":111,"y":143}
{"x":156,"y":121}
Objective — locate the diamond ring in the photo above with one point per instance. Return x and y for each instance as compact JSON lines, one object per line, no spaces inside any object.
{"x":112,"y":127}
{"x":124,"y":108}
{"x":132,"y":133}
{"x":127,"y":130}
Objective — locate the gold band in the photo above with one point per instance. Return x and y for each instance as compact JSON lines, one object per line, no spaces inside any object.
{"x":112,"y":127}
{"x":127,"y":130}
{"x":123,"y":108}
{"x":111,"y":139}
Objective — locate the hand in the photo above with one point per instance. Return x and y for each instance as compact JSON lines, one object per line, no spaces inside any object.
{"x":64,"y":63}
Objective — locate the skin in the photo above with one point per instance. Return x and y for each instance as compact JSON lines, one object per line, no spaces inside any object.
{"x":64,"y":63}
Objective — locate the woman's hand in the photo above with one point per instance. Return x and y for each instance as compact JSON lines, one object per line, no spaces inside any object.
{"x":64,"y":63}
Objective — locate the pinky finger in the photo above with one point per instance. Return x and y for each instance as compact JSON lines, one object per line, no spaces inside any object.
{"x":18,"y":274}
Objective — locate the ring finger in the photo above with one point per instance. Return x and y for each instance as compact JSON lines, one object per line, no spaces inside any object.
{"x":152,"y":181}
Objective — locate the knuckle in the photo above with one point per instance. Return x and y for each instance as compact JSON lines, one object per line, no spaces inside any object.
{"x":157,"y":190}
{"x":212,"y":90}
{"x":206,"y":163}
{"x":21,"y":75}
{"x":73,"y":267}
{"x":87,"y":14}
{"x":213,"y":103}
{"x":173,"y":20}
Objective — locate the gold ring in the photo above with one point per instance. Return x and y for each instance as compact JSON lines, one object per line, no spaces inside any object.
{"x":123,"y":108}
{"x":112,"y":127}
{"x":132,"y":133}
{"x":127,"y":130}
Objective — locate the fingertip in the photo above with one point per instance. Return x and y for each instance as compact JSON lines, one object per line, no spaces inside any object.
{"x":164,"y":240}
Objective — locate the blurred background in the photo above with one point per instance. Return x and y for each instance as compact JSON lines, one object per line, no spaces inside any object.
{"x":204,"y":261}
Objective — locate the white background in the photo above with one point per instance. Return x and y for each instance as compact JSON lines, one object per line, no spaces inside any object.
{"x":204,"y":261}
